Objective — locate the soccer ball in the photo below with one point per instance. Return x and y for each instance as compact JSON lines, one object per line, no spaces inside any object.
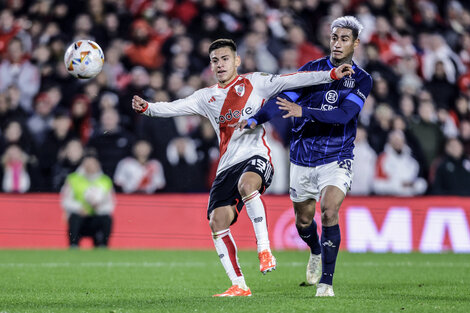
{"x":84,"y":59}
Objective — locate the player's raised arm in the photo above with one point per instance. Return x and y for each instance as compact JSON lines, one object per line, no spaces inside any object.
{"x":187,"y":106}
{"x":271,"y":85}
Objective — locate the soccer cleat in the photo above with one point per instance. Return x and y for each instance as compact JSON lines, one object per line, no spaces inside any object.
{"x":314,"y":269}
{"x":325,"y":290}
{"x":267,"y":261}
{"x":235,"y":291}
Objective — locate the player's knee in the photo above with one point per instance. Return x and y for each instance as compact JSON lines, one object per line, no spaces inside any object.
{"x":329,"y":216}
{"x":303,"y":221}
{"x":246,"y":188}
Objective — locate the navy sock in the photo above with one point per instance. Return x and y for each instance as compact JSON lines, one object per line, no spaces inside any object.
{"x":310,"y":236}
{"x":330,"y":240}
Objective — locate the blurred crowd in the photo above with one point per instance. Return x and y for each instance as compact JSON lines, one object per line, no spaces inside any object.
{"x":414,"y":132}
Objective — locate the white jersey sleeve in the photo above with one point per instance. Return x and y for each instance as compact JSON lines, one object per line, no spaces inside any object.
{"x":268,"y":85}
{"x":190,"y":105}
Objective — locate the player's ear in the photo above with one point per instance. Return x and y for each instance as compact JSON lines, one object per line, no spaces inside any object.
{"x":238,"y":60}
{"x":357,"y":42}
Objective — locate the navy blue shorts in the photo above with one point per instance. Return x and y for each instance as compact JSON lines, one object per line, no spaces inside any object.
{"x":224,"y":190}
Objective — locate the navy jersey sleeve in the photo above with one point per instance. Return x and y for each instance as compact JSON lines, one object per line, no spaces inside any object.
{"x":271,"y":110}
{"x":348,"y":108}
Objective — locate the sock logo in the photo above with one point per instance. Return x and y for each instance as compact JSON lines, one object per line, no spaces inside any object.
{"x":221,"y":255}
{"x":258,"y":219}
{"x":329,"y":244}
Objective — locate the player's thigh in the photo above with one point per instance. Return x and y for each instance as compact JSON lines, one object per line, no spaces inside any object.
{"x":258,"y":172}
{"x":332,"y":198}
{"x":338,"y":174}
{"x":303,"y":184}
{"x":249,"y":182}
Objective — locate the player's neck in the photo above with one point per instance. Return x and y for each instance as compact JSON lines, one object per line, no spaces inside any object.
{"x":228,"y":81}
{"x":337,"y":62}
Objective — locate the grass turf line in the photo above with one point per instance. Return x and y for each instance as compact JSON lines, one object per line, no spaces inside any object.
{"x":117,"y":281}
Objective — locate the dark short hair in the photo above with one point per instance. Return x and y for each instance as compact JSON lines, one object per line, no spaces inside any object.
{"x":221,"y":43}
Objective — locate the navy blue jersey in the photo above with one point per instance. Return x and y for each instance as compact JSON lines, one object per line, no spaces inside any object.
{"x":326,"y":131}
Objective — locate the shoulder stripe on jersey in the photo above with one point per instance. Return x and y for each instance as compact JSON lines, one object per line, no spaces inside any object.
{"x":233,"y":102}
{"x":356,"y":99}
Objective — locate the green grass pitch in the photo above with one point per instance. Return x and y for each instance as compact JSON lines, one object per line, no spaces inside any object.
{"x":184,"y":281}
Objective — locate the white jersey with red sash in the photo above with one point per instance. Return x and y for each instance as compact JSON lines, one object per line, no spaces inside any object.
{"x":239,"y":100}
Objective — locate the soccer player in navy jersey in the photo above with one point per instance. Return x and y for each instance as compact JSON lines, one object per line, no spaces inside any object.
{"x":321,"y":151}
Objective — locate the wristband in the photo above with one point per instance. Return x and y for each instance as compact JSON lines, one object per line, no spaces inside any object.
{"x":144,"y":108}
{"x":250,"y":121}
{"x":333,"y":74}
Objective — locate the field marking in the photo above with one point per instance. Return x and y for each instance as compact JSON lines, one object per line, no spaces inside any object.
{"x":204,"y":264}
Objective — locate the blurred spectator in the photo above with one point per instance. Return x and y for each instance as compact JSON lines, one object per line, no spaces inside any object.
{"x":383,"y":38}
{"x":184,"y":171}
{"x":139,"y":173}
{"x":87,"y":198}
{"x":69,"y":157}
{"x":380,"y":126}
{"x":397,"y":171}
{"x":40,"y":122}
{"x":453,"y":172}
{"x":55,"y":139}
{"x":15,"y":133}
{"x":207,"y":147}
{"x":15,"y":178}
{"x":146,"y":46}
{"x":442,"y":90}
{"x":111,"y":142}
{"x":437,"y":50}
{"x":16,"y":69}
{"x":82,"y":122}
{"x":465,"y":136}
{"x":427,"y":132}
{"x":306,"y":51}
{"x":256,"y":46}
{"x":363,"y":165}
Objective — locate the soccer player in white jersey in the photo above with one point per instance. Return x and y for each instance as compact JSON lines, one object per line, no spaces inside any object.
{"x":244,"y":170}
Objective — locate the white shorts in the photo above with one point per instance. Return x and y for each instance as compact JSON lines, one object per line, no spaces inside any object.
{"x":308,"y":182}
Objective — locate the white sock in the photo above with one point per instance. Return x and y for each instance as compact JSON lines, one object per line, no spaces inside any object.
{"x":255,"y":210}
{"x":227,"y":251}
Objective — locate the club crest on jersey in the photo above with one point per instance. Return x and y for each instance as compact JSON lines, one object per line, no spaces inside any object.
{"x":331,"y":96}
{"x":240,"y":89}
{"x":348,"y":82}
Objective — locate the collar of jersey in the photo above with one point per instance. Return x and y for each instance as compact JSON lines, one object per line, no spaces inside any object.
{"x":229,"y":84}
{"x":331,"y":65}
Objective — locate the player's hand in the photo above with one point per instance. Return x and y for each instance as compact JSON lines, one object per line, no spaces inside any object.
{"x":342,"y":71}
{"x":249,"y":123}
{"x":139,"y":105}
{"x":293,"y":109}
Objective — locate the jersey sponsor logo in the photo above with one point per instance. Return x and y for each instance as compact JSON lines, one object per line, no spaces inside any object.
{"x":212,"y":99}
{"x":360,"y":94}
{"x":331,"y":96}
{"x":240,"y":89}
{"x":327,"y":107}
{"x":230,"y":115}
{"x":349,"y":82}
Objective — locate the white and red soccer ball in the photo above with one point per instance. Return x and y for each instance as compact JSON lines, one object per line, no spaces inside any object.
{"x":84,"y":59}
